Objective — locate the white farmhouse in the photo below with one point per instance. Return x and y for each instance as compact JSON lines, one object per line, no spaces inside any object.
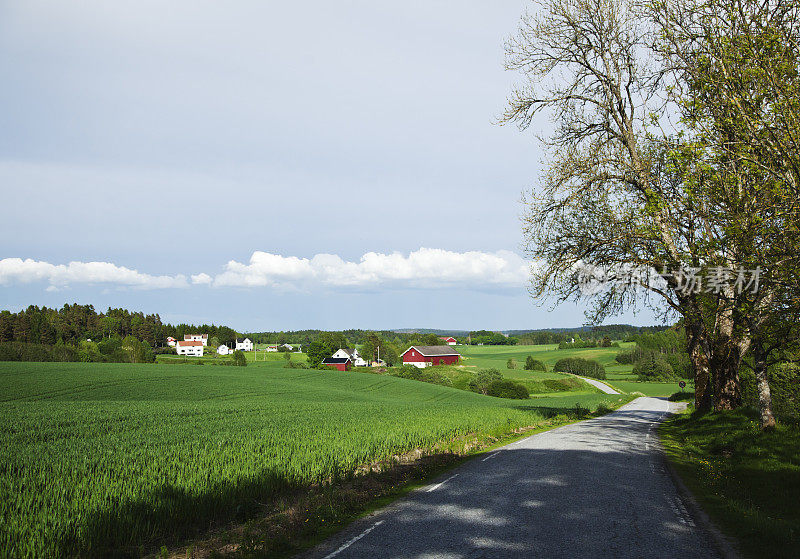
{"x":352,"y":354}
{"x":224,"y":350}
{"x":244,"y":344}
{"x":192,"y":348}
{"x":272,"y":348}
{"x":287,"y":347}
{"x":196,"y":338}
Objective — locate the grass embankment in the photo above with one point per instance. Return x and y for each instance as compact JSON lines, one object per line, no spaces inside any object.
{"x":111,"y":459}
{"x":748,"y":481}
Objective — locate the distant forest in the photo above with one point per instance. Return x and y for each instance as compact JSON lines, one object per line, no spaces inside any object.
{"x":72,"y":324}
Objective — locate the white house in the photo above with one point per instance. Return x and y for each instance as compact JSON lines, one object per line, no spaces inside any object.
{"x":196,"y":338}
{"x":171,"y":341}
{"x":244,"y":344}
{"x":272,"y":348}
{"x":352,"y":354}
{"x":192,"y":348}
{"x":287,"y":347}
{"x":223,"y":350}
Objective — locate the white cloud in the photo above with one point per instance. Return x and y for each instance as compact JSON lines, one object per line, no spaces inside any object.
{"x":201,"y":279}
{"x":17,"y":270}
{"x":426,"y":267}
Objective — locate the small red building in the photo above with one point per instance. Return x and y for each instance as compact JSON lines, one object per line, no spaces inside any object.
{"x":427,"y":355}
{"x":338,"y":363}
{"x":449,"y":340}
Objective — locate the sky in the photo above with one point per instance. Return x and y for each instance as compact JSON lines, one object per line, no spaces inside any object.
{"x":268,"y":165}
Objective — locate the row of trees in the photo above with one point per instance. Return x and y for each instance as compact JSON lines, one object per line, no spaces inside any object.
{"x":74,"y":323}
{"x":674,"y":174}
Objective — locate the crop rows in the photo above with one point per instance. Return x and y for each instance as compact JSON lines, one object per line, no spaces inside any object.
{"x":90,"y":476}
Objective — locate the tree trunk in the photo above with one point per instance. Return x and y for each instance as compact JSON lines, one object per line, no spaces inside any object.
{"x":698,"y":349}
{"x":726,"y":359}
{"x":729,"y":346}
{"x":762,"y":385}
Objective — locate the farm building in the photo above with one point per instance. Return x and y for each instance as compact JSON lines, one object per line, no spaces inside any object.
{"x":449,"y":340}
{"x":171,"y":341}
{"x":286,"y":347}
{"x":427,"y":355}
{"x":272,"y":348}
{"x":351,"y":354}
{"x":244,"y":344}
{"x":338,"y":363}
{"x":196,"y":338}
{"x":192,"y":348}
{"x":224,"y":350}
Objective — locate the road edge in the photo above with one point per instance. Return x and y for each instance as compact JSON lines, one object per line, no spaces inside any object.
{"x":723,"y":543}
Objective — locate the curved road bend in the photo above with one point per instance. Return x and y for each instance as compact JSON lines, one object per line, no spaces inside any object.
{"x":591,"y":489}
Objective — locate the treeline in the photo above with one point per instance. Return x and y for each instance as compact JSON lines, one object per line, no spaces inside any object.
{"x":74,"y":323}
{"x":624,"y":332}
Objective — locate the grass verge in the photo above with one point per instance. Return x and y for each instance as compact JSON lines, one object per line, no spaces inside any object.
{"x":298,"y":520}
{"x":748,"y":481}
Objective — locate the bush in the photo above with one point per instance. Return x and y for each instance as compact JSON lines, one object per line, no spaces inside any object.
{"x":483,"y":378}
{"x":580,"y":367}
{"x":653,"y":368}
{"x":428,"y":374}
{"x":532,"y":364}
{"x":507,"y":389}
{"x":511,"y":363}
{"x":784,"y":386}
{"x":298,"y":365}
{"x":624,"y":357}
{"x":682,"y":396}
{"x":239,"y":359}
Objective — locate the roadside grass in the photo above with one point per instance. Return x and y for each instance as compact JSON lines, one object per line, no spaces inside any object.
{"x":747,"y":480}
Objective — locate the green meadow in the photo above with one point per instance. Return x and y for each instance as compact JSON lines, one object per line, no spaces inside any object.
{"x":101,"y":459}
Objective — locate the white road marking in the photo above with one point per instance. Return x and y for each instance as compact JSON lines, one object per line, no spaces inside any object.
{"x":491,"y":456}
{"x":354,"y":540}
{"x":438,"y":485}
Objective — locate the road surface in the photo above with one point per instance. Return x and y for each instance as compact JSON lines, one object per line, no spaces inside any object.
{"x":601,"y":385}
{"x":591,"y":489}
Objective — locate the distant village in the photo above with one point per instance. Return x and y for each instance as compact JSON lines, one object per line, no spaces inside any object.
{"x":193,"y":345}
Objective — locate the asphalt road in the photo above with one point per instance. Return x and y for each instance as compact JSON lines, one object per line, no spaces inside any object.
{"x":601,"y":385}
{"x":596,"y":488}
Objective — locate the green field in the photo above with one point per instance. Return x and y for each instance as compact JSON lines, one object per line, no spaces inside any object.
{"x":618,"y":376}
{"x":110,"y":457}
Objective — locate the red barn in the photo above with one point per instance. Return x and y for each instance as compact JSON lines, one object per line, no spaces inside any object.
{"x":338,"y":363}
{"x":449,"y":340}
{"x":427,"y":355}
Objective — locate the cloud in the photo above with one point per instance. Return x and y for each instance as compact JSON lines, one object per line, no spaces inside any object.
{"x":201,"y":279}
{"x":426,"y":268}
{"x":17,"y":270}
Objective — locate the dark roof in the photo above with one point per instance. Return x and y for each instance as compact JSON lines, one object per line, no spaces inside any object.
{"x":431,"y":350}
{"x":240,"y":340}
{"x":335,"y":360}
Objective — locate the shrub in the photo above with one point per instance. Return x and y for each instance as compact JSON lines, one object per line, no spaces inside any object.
{"x":511,"y":363}
{"x":624,"y":357}
{"x":483,"y":378}
{"x":681,"y":396}
{"x":653,"y":368}
{"x":581,"y":367}
{"x":507,"y":389}
{"x":239,"y":359}
{"x":532,"y":364}
{"x":428,"y":374}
